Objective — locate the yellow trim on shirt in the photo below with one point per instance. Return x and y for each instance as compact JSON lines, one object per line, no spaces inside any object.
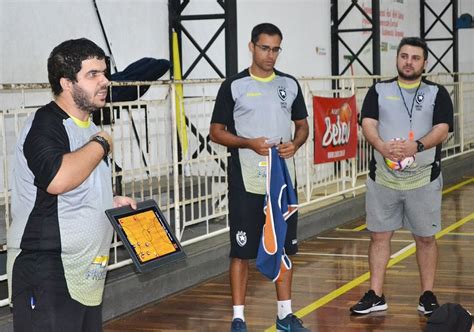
{"x":263,"y":79}
{"x":80,"y":123}
{"x":253,"y":94}
{"x":408,"y":86}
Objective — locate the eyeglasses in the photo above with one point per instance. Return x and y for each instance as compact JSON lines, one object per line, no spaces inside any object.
{"x":267,"y":49}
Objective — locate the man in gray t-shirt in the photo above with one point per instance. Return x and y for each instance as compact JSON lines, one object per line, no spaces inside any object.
{"x":405,"y":119}
{"x":59,"y":239}
{"x":252,"y":108}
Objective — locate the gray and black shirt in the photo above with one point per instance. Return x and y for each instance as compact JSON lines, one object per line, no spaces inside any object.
{"x":58,"y":242}
{"x":390,"y":103}
{"x":253,"y":107}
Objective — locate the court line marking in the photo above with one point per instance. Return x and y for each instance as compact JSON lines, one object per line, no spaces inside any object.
{"x":355,"y":239}
{"x":398,"y":257}
{"x":359,"y":228}
{"x":303,"y":253}
{"x":461,"y":233}
{"x":453,"y":233}
{"x":400,"y":231}
{"x":395,"y":258}
{"x":347,"y":229}
{"x":332,"y":255}
{"x":446,"y":191}
{"x":457,"y":186}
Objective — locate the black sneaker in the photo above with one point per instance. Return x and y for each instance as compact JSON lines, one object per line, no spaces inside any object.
{"x":428,"y":303}
{"x":238,"y":325}
{"x":290,"y":323}
{"x":370,"y":302}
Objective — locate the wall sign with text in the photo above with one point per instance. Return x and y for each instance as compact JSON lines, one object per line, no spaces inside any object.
{"x":335,"y":129}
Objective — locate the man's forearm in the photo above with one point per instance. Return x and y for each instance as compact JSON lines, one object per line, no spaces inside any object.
{"x":436,"y":136}
{"x":76,"y":167}
{"x":371,"y":134}
{"x":301,"y":133}
{"x":226,"y":138}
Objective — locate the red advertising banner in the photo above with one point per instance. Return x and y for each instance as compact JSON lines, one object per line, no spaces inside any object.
{"x":335,"y":129}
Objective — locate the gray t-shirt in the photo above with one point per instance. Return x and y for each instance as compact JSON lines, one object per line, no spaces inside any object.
{"x":65,"y":239}
{"x":391,"y":104}
{"x":251,"y":107}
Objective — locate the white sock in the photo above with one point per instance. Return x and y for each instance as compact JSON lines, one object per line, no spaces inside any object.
{"x":238,"y":312}
{"x":284,"y":308}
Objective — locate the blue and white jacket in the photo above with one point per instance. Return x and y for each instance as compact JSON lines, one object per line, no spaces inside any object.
{"x":280,"y":204}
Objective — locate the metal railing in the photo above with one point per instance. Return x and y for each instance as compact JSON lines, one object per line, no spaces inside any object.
{"x":191,"y":189}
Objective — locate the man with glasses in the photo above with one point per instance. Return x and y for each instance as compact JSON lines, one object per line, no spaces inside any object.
{"x":252,"y":109}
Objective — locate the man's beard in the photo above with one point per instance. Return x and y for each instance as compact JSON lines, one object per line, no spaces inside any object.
{"x":82,"y":101}
{"x":413,"y":77}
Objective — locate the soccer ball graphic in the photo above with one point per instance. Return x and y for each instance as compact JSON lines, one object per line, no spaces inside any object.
{"x":400,"y":165}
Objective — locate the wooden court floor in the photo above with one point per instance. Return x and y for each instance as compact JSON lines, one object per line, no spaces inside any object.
{"x":331,"y":274}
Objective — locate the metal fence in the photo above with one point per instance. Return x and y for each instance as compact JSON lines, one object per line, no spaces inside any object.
{"x":191,"y":188}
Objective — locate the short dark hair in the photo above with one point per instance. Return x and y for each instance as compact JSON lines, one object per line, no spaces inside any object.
{"x":414,"y":41}
{"x":266,"y":28}
{"x":66,"y":60}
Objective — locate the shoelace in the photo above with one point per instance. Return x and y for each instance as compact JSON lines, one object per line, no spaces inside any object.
{"x":367,"y":297}
{"x":296,"y":320}
{"x":238,"y":324}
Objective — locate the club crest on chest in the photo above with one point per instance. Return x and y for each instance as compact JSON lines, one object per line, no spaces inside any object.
{"x":282,"y":93}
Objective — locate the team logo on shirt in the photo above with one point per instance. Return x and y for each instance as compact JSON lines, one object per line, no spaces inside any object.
{"x":98,"y":268}
{"x":282,"y":93}
{"x":420,"y":97}
{"x":419,"y":101}
{"x":241,"y":238}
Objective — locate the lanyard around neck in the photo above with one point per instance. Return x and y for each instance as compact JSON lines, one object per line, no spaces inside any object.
{"x":409,"y":110}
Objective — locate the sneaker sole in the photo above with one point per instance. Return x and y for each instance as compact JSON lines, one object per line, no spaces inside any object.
{"x":373,"y":309}
{"x":422,"y":310}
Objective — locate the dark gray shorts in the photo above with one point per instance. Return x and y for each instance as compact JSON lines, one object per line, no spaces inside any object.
{"x":418,"y":210}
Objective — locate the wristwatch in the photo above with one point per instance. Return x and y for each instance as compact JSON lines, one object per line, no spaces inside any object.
{"x":103,"y":142}
{"x":420,"y":146}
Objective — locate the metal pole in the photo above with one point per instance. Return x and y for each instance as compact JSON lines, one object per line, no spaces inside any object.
{"x":455,"y":42}
{"x":174,"y":136}
{"x":112,"y":60}
{"x":231,"y":67}
{"x":376,"y":37}
{"x":460,"y":105}
{"x":334,"y":41}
